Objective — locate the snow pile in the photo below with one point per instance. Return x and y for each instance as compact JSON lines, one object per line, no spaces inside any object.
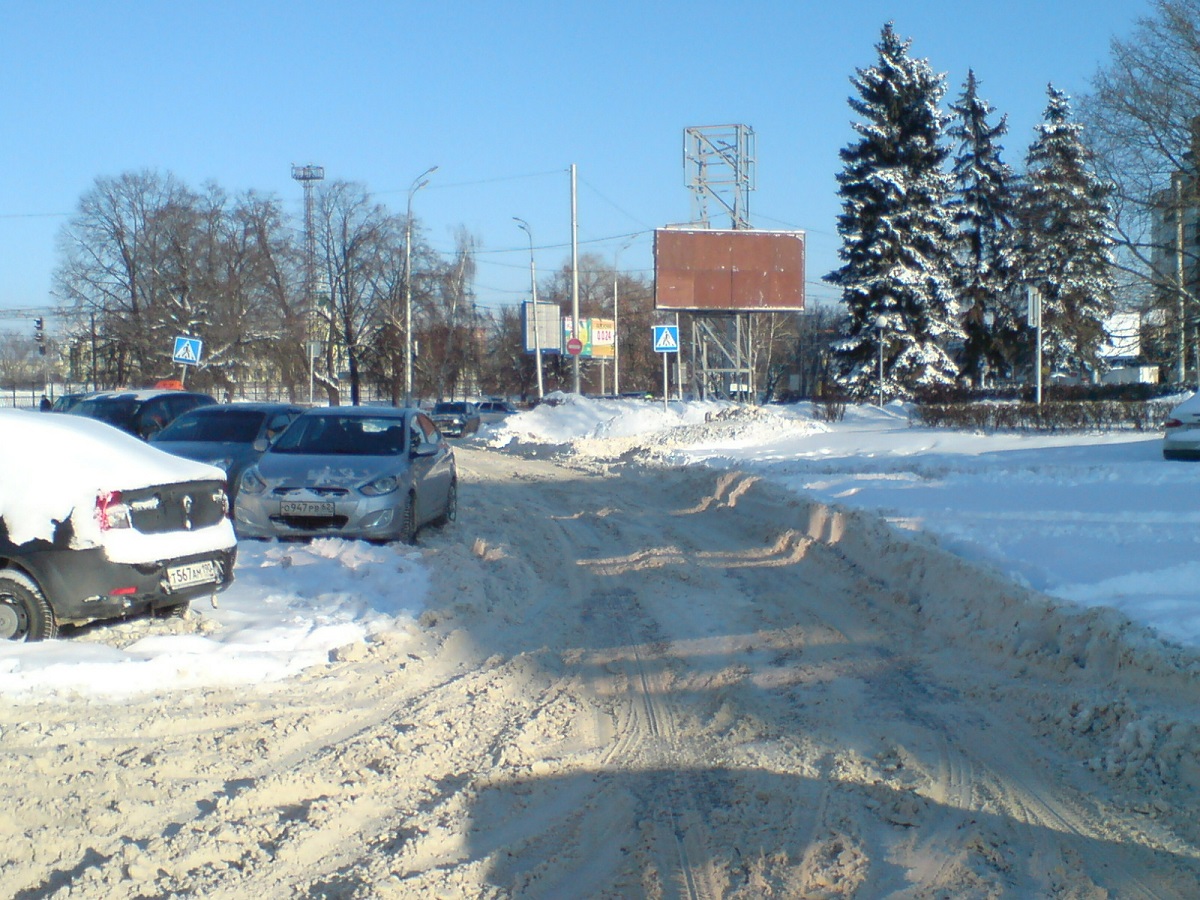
{"x":646,"y":430}
{"x":291,"y":606}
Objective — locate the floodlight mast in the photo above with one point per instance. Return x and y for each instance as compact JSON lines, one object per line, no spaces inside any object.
{"x":309,"y":176}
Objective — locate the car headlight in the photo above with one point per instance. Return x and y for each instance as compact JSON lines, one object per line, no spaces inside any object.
{"x":252,"y":482}
{"x":380,"y":486}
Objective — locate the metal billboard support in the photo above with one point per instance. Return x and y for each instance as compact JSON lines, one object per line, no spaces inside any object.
{"x":719,"y":161}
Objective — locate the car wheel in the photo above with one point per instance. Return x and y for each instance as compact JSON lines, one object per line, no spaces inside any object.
{"x":25,"y":613}
{"x":408,"y":527}
{"x":451,"y":511}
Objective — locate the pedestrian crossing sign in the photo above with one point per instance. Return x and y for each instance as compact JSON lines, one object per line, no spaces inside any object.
{"x":187,"y":351}
{"x":666,"y":338}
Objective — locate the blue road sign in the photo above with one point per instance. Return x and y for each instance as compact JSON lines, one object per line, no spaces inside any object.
{"x":187,"y":351}
{"x":666,"y":338}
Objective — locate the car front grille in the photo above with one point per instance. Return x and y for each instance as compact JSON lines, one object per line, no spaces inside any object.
{"x":311,"y":523}
{"x":285,"y":491}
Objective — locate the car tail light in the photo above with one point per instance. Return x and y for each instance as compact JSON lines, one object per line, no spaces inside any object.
{"x":112,"y":511}
{"x":1172,"y":423}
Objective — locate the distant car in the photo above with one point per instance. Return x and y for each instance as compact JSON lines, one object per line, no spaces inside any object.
{"x":96,"y":524}
{"x":358,"y":472}
{"x":224,"y":435}
{"x":1181,"y":431}
{"x":64,"y":402}
{"x":493,"y":411}
{"x":143,"y":413}
{"x":455,"y":418}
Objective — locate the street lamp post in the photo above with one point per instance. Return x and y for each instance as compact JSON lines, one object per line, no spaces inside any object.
{"x":881,"y":324}
{"x":537,"y":341}
{"x":617,"y":319}
{"x":419,"y":182}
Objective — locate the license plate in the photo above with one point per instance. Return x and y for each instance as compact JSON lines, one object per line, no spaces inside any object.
{"x":189,"y":574}
{"x":305,"y":508}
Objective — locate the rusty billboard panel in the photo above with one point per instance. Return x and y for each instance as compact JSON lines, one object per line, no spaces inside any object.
{"x":707,"y":270}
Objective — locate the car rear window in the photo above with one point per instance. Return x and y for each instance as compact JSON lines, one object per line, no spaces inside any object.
{"x":237,"y":426}
{"x":117,"y":411}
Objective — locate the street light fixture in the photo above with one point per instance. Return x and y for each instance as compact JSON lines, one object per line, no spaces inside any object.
{"x":419,"y":182}
{"x":537,"y":341}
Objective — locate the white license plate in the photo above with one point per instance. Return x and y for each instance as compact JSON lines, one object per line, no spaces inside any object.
{"x":305,"y":508}
{"x":189,"y":574}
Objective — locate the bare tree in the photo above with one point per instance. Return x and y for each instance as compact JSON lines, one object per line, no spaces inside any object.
{"x":1141,"y":120}
{"x":447,"y":323}
{"x":116,"y":271}
{"x":352,"y":237}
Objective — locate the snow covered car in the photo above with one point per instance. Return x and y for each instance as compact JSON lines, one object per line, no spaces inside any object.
{"x":1181,"y":431}
{"x":358,"y":472}
{"x":96,"y":524}
{"x":455,"y":418}
{"x":224,"y":434}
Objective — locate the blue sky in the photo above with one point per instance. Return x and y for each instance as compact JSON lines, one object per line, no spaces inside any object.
{"x":503,"y":98}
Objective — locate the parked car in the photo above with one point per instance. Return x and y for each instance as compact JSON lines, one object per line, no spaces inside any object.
{"x":140,"y":412}
{"x":1181,"y":431}
{"x":493,"y":411}
{"x":372,"y":473}
{"x":64,"y":402}
{"x":455,"y":418}
{"x":224,"y":435}
{"x":96,"y":524}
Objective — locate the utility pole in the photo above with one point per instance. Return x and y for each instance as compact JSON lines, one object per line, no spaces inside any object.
{"x":574,"y":281}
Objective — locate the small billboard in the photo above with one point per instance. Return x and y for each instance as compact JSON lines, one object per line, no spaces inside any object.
{"x":598,"y":336}
{"x":709,"y":270}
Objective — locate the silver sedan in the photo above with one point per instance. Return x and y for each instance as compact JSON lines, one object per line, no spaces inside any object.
{"x":369,"y":473}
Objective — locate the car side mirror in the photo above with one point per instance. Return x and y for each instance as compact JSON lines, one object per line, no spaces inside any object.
{"x":260,"y":445}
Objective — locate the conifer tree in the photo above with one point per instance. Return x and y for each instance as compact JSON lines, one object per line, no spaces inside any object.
{"x":982,"y":212}
{"x":896,"y":231}
{"x":1066,"y":244}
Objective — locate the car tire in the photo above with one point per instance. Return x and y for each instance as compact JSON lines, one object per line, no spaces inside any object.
{"x":25,"y":613}
{"x":408,"y":526}
{"x":450,"y":513}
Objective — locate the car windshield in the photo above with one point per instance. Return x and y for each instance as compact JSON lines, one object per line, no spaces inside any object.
{"x":334,"y":435}
{"x":234,"y":426}
{"x":117,"y":411}
{"x":450,"y":408}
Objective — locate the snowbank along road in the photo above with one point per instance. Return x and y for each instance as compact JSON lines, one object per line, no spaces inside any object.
{"x":642,"y":681}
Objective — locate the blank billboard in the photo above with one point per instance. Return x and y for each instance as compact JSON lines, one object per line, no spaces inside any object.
{"x":548,"y":333}
{"x":706,"y":270}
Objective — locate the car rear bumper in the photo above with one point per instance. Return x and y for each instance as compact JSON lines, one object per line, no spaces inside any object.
{"x":85,"y":585}
{"x":1182,"y":444}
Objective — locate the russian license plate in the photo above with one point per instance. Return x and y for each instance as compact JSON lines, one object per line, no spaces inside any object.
{"x":305,"y":508}
{"x":189,"y":574}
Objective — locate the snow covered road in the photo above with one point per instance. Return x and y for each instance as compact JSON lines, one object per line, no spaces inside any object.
{"x":631,"y":680}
